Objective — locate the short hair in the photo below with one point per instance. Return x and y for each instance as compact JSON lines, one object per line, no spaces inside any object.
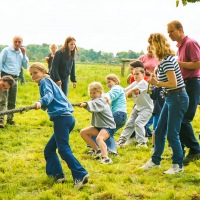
{"x":176,"y":24}
{"x":114,"y":78}
{"x":52,"y":45}
{"x":9,"y":79}
{"x":97,"y":86}
{"x":136,"y":63}
{"x":141,"y":69}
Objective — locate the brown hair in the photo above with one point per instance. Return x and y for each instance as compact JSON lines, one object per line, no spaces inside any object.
{"x":64,"y":48}
{"x":136,"y":63}
{"x":9,"y":79}
{"x":114,"y":78}
{"x":176,"y":24}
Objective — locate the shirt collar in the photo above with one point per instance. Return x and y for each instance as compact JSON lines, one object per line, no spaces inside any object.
{"x":180,"y":43}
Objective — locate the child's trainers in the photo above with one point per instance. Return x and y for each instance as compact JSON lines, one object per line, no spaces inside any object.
{"x":120,"y":143}
{"x":91,"y":152}
{"x":149,"y":164}
{"x":174,"y":169}
{"x":106,"y":161}
{"x":130,"y":141}
{"x":139,"y":145}
{"x":79,"y":183}
{"x":97,"y":154}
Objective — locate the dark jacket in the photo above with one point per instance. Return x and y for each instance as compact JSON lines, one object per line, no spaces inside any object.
{"x":62,"y":67}
{"x":158,"y":100}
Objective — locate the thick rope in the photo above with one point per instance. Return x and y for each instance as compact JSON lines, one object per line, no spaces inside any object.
{"x":20,"y":110}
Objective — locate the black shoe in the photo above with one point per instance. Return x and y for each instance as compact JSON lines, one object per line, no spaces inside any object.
{"x":11,"y":122}
{"x":191,"y":158}
{"x":79,"y":183}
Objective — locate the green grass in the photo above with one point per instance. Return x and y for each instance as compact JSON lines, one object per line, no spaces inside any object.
{"x":22,"y":164}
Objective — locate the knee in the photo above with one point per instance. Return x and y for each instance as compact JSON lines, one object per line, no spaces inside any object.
{"x":99,"y":139}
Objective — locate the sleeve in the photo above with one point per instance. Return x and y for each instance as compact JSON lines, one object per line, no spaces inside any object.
{"x":3,"y":56}
{"x":193,"y":51}
{"x":142,"y":86}
{"x":25,"y":62}
{"x":73,"y":73}
{"x":131,"y":86}
{"x":96,"y":105}
{"x":113,"y":94}
{"x":46,"y":92}
{"x":54,"y":68}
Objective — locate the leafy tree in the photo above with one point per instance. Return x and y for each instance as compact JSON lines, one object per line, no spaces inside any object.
{"x":184,"y":2}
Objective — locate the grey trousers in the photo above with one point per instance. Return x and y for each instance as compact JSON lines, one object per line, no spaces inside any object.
{"x":136,"y":122}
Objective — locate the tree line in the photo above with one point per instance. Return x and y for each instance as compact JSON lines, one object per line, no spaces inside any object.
{"x":38,"y":53}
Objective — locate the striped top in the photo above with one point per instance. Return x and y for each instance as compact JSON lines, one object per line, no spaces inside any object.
{"x":170,"y":63}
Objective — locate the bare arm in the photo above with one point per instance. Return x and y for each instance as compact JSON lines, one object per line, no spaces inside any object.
{"x":190,"y":65}
{"x":171,"y":83}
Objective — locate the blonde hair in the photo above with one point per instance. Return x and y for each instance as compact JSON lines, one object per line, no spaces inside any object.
{"x":39,"y":66}
{"x":52,"y":45}
{"x":114,"y":78}
{"x":161,"y":47}
{"x":95,"y":86}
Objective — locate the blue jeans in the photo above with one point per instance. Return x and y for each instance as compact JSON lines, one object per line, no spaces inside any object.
{"x":120,"y":120}
{"x":65,"y":85}
{"x":148,"y":131}
{"x":187,"y":135}
{"x":169,"y":125}
{"x":63,"y":125}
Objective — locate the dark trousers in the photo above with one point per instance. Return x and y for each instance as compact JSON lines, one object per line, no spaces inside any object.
{"x":187,"y":135}
{"x":63,"y":125}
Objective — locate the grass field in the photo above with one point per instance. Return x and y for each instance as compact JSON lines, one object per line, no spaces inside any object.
{"x":22,"y":164}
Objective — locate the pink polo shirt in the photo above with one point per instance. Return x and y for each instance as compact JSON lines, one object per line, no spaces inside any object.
{"x":149,"y":62}
{"x":189,"y":50}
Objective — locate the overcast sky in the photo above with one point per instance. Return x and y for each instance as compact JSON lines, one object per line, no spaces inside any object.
{"x":106,"y":25}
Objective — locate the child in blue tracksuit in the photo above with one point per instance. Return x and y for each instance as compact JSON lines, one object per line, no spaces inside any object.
{"x":60,"y":112}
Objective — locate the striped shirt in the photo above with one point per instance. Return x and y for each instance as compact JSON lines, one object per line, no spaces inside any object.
{"x":169,"y":63}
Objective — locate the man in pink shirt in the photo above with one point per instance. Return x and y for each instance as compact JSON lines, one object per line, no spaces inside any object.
{"x":189,"y":62}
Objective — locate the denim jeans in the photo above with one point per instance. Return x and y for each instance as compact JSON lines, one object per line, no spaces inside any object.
{"x":120,"y":120}
{"x":148,"y":131}
{"x":65,"y":85}
{"x":63,"y":125}
{"x":10,"y":96}
{"x":169,"y":125}
{"x":187,"y":135}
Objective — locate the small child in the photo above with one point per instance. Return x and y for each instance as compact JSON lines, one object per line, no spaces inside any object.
{"x":103,"y":124}
{"x":142,"y":111}
{"x":53,"y":48}
{"x":60,"y":112}
{"x":117,"y":97}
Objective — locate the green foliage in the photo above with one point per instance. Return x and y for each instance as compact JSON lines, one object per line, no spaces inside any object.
{"x":38,"y":53}
{"x":22,"y":163}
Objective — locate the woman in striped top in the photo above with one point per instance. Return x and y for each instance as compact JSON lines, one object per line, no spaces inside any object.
{"x":176,"y":103}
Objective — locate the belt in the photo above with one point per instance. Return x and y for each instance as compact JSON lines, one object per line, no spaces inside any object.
{"x":190,"y":79}
{"x":5,"y":74}
{"x":176,"y":90}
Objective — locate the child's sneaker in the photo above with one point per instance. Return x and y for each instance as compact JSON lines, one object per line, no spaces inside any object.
{"x":91,"y":152}
{"x":120,"y":143}
{"x":79,"y":183}
{"x":130,"y":141}
{"x":139,"y":145}
{"x":106,"y":161}
{"x":61,"y":180}
{"x":149,"y":165}
{"x":174,"y":169}
{"x":97,"y":154}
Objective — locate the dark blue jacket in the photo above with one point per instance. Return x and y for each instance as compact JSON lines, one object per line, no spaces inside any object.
{"x":62,"y":67}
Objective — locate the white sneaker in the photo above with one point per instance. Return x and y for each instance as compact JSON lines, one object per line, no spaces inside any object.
{"x":107,"y":161}
{"x":97,"y":154}
{"x":174,"y":170}
{"x":130,"y":141}
{"x":139,"y":145}
{"x":120,"y":143}
{"x":149,"y":164}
